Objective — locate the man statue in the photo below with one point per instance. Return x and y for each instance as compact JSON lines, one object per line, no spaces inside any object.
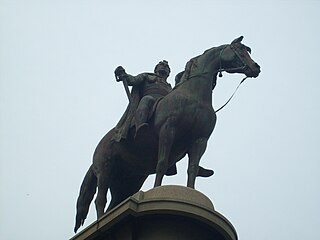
{"x":152,"y":86}
{"x":147,"y":88}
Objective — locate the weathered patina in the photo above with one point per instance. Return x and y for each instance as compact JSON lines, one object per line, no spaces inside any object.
{"x":182,"y":123}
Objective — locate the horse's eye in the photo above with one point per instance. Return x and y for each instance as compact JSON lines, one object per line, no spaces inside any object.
{"x":248,"y":49}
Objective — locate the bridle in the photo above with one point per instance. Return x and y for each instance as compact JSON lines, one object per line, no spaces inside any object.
{"x":231,"y":69}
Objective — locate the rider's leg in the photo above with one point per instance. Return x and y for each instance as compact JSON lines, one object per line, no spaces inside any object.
{"x":142,"y":113}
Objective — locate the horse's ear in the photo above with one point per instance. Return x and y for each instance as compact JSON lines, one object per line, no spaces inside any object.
{"x":237,"y":40}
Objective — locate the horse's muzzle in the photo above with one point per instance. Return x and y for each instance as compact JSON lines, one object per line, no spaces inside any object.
{"x":253,"y":71}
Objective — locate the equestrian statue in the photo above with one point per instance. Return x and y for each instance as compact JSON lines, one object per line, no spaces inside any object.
{"x":160,"y":126}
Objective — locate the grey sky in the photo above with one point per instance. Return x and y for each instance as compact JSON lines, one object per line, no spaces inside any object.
{"x":58,"y":97}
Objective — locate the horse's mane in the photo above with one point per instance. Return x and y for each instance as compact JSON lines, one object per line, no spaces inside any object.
{"x":184,"y":75}
{"x":192,"y":64}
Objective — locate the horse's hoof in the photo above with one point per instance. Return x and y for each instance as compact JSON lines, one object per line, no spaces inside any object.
{"x":171,"y":170}
{"x":203,"y":172}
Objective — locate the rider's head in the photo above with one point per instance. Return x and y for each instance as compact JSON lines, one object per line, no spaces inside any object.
{"x":162,"y":69}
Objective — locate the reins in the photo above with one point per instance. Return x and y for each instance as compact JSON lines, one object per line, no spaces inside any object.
{"x":234,"y":69}
{"x":232,"y":95}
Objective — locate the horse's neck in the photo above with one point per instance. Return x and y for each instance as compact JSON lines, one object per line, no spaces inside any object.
{"x":205,"y":65}
{"x":200,"y":75}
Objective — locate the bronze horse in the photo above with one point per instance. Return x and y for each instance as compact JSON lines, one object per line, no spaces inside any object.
{"x":181,"y":124}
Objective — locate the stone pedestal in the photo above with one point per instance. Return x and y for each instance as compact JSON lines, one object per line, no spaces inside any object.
{"x":162,"y":213}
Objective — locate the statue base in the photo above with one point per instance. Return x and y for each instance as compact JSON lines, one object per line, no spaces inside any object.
{"x":166,"y":212}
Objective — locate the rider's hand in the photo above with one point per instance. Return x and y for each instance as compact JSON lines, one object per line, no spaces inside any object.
{"x":119,"y":73}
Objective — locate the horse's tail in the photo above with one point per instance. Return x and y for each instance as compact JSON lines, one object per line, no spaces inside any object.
{"x":87,"y":191}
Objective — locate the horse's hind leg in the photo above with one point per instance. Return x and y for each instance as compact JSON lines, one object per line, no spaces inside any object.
{"x":195,"y":153}
{"x":103,"y":184}
{"x":124,"y":187}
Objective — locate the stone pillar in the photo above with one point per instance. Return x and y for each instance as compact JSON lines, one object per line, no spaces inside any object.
{"x":162,"y":213}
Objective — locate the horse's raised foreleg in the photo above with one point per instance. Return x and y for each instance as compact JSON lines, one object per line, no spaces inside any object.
{"x":166,"y":137}
{"x":195,"y":153}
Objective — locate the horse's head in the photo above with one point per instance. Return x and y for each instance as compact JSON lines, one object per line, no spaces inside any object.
{"x":235,"y":58}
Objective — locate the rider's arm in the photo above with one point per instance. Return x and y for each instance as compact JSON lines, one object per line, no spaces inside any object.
{"x":121,"y":75}
{"x":135,"y":80}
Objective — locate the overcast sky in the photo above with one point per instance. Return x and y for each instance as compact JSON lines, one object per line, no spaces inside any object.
{"x":58,"y":97}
